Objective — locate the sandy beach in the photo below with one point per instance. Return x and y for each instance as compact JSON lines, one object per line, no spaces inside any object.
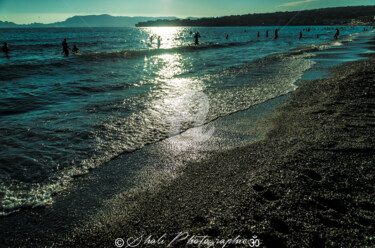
{"x":309,"y":183}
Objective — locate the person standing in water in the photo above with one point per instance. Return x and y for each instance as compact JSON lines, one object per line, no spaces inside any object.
{"x":276,"y":34}
{"x":159,"y":41}
{"x":300,"y":35}
{"x":227,"y":37}
{"x":5,"y":48}
{"x":258,"y":34}
{"x":337,"y":34}
{"x":267,"y":34}
{"x":65,"y":48}
{"x":196,"y":38}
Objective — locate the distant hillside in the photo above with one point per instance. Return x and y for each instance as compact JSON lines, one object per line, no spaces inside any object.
{"x":7,"y":25}
{"x":328,"y":16}
{"x":90,"y":21}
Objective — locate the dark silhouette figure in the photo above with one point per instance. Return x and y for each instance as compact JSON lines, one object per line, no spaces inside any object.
{"x":5,"y":48}
{"x":337,"y":33}
{"x":258,"y":35}
{"x":276,"y":34}
{"x":300,"y":35}
{"x":227,"y":37}
{"x":75,"y":49}
{"x":267,"y":33}
{"x":245,"y":31}
{"x":196,"y":38}
{"x":65,"y":48}
{"x":317,"y":36}
{"x":159,"y":41}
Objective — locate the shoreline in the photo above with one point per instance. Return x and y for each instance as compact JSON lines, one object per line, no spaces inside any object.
{"x":309,"y":183}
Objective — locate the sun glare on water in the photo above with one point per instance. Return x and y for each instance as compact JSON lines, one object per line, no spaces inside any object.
{"x":168,"y":36}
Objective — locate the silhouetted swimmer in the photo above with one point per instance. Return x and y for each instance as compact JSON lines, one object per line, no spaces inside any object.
{"x":267,"y":33}
{"x":5,"y":48}
{"x":159,"y":41}
{"x":300,"y":35}
{"x":227,"y":37}
{"x":276,"y":34}
{"x":65,"y":48}
{"x":337,"y":34}
{"x":75,"y":49}
{"x":317,"y":36}
{"x":245,"y":31}
{"x":258,"y":35}
{"x":196,"y":38}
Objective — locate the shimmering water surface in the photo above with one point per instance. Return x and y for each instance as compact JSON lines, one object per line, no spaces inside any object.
{"x":62,"y":116}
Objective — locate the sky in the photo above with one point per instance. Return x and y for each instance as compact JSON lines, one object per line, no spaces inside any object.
{"x":48,"y":11}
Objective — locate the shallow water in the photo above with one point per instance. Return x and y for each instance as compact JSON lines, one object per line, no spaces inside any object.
{"x":61,"y":116}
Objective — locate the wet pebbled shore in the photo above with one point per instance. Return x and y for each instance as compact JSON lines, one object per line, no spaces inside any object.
{"x":310,"y":183}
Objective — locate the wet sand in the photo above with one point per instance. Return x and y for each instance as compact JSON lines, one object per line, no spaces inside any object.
{"x":309,"y":183}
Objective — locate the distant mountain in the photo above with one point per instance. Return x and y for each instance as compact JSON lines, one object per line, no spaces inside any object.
{"x":7,"y":25}
{"x":90,"y":21}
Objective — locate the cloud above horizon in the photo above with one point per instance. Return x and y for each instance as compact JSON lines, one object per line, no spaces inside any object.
{"x":297,"y":3}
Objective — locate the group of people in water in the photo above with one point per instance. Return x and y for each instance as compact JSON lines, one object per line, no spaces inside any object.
{"x":158,"y":41}
{"x":75,"y":50}
{"x":258,"y":34}
{"x":66,"y":48}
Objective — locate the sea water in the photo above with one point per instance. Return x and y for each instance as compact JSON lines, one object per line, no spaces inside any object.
{"x":61,"y":117}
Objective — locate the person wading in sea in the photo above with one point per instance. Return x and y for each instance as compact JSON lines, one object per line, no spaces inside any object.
{"x":5,"y":48}
{"x":196,"y":38}
{"x":65,"y":48}
{"x":337,"y":34}
{"x":159,"y":41}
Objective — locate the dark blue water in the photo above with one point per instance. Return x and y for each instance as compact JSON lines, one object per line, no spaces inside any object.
{"x":61,"y":117}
